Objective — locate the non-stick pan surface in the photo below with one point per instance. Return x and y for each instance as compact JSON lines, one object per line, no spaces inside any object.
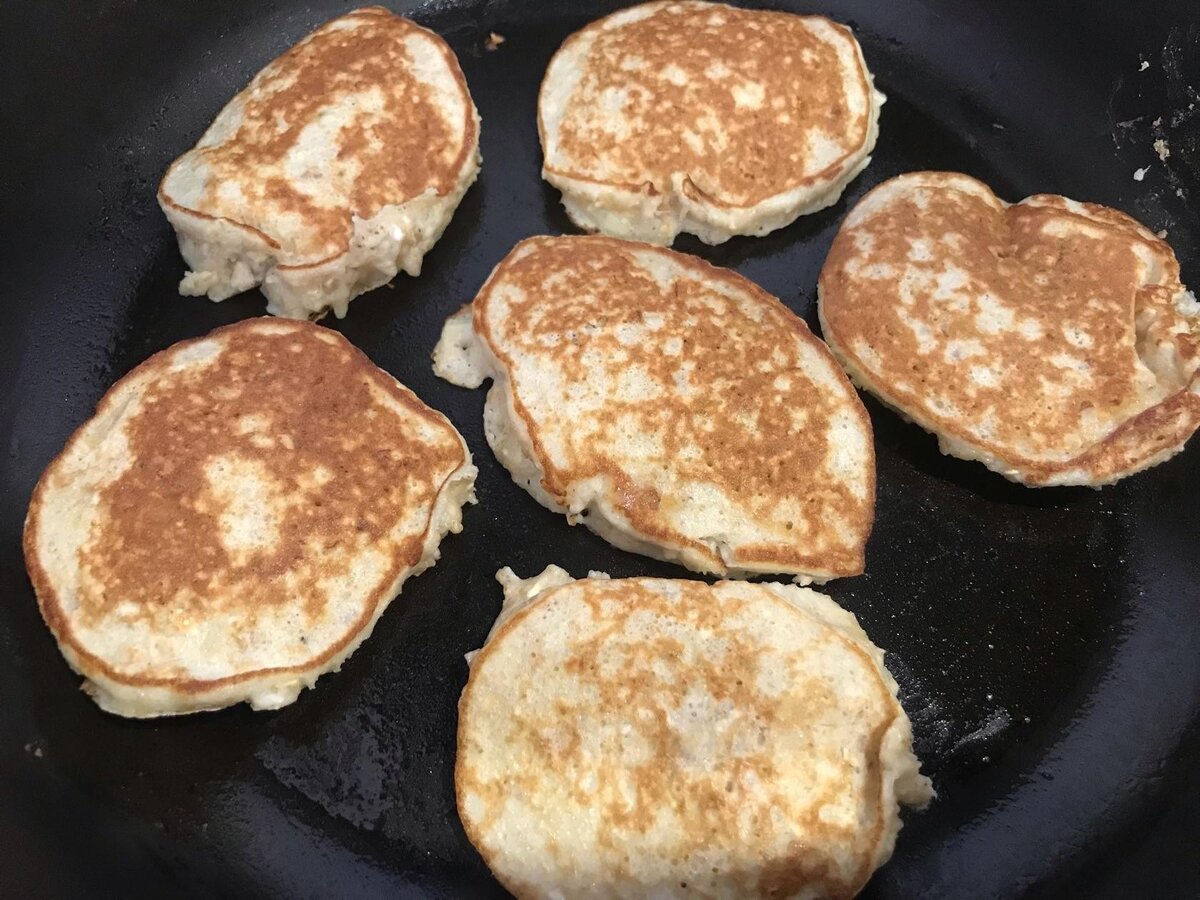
{"x":1047,"y":642}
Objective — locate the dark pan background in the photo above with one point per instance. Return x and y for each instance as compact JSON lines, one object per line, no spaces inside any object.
{"x":1047,"y":642}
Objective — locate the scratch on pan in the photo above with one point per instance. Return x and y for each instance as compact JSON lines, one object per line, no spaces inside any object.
{"x":991,"y":727}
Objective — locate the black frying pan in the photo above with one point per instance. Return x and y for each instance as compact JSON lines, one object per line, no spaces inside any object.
{"x":1047,"y":642}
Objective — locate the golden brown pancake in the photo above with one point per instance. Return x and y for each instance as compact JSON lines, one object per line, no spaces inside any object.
{"x":1051,"y":340}
{"x":673,"y":407}
{"x":651,"y":737}
{"x":236,"y":516}
{"x":343,"y":158}
{"x":706,"y":118}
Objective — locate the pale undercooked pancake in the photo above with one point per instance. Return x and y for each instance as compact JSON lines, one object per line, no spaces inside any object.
{"x":1050,"y":340}
{"x":340,"y":164}
{"x":704,"y":118}
{"x":235,"y":517}
{"x":659,"y":738}
{"x":676,"y":409}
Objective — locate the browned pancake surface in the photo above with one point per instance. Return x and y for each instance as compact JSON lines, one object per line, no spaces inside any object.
{"x":731,"y":97}
{"x":744,"y":397}
{"x":393,"y":146}
{"x":709,"y":732}
{"x":1032,"y":331}
{"x":255,"y":484}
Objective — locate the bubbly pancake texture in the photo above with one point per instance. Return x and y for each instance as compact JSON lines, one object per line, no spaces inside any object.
{"x":705,"y":118}
{"x":355,"y":145}
{"x":675,"y":408}
{"x":649,"y":737}
{"x":236,"y":516}
{"x":1051,"y":340}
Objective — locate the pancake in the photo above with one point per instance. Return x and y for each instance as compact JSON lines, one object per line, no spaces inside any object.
{"x":676,"y":409}
{"x":339,"y":165}
{"x":1050,"y":340}
{"x":704,"y":118}
{"x":653,"y":737}
{"x":236,"y":516}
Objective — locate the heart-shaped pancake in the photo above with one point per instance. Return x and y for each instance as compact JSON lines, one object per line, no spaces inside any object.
{"x":1049,"y":339}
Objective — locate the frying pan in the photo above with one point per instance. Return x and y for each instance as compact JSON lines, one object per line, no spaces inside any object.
{"x":1046,"y":641}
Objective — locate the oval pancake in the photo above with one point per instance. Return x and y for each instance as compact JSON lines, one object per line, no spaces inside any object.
{"x":704,"y":118}
{"x":651,"y":737}
{"x":236,"y":516}
{"x":1050,"y":340}
{"x":340,"y":164}
{"x":675,"y":408}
